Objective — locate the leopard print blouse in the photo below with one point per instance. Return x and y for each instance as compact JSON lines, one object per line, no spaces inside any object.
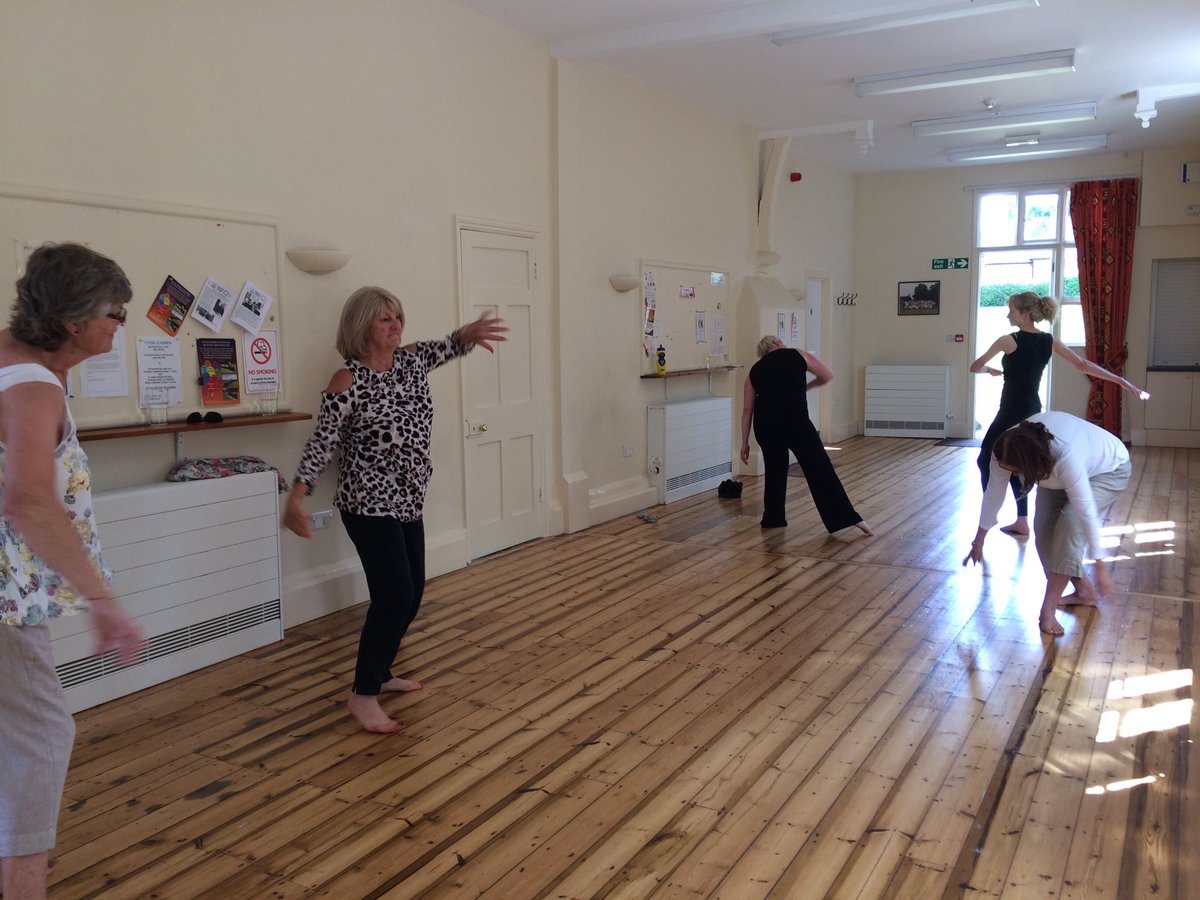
{"x":382,"y":425}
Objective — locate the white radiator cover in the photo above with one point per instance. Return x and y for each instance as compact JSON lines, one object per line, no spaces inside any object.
{"x":690,"y":446}
{"x":197,"y":564}
{"x":907,"y":401}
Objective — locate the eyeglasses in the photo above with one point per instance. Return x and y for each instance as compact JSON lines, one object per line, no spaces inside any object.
{"x":211,"y":418}
{"x":119,"y":317}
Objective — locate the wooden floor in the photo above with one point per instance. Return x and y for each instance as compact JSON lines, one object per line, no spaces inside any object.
{"x":695,"y":708}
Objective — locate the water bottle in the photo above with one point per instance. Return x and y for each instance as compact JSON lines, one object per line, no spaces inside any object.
{"x":660,"y":359}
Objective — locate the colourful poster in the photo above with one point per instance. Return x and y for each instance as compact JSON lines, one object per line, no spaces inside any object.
{"x":170,"y":306}
{"x":218,"y":371}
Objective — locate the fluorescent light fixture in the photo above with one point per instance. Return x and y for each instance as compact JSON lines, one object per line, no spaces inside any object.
{"x":927,"y":12}
{"x":1027,"y":117}
{"x":1025,"y":151}
{"x":1001,"y":69}
{"x":1022,"y":140}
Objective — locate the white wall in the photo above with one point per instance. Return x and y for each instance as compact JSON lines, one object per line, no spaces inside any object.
{"x":813,"y":233}
{"x":361,"y":125}
{"x":640,"y":176}
{"x":904,"y":220}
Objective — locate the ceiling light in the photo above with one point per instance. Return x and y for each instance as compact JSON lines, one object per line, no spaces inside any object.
{"x":1000,"y":69}
{"x":1026,"y":117}
{"x":1022,"y":140}
{"x":919,"y":16}
{"x":1042,"y":148}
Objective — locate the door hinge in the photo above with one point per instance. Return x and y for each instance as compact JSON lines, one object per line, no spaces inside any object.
{"x":539,"y":495}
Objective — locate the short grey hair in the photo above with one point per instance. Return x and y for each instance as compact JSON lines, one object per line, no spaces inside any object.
{"x":766,"y":345}
{"x":64,"y":283}
{"x":361,"y":309}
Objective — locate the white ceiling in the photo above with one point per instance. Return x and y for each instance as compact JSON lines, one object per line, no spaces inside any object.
{"x":716,"y":53}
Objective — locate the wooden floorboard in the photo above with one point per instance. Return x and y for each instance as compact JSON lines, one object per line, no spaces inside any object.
{"x":695,"y":707}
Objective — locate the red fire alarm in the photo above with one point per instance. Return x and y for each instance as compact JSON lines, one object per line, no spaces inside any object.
{"x":795,"y":176}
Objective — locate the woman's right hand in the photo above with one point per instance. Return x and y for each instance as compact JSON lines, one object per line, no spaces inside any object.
{"x":295,"y":519}
{"x":115,"y":630}
{"x":745,"y":453}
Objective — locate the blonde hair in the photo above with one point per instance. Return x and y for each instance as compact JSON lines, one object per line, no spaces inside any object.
{"x":1040,"y":309}
{"x":361,"y":309}
{"x":766,"y":345}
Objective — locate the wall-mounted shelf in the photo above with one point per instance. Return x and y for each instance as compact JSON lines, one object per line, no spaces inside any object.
{"x":683,"y":373}
{"x":181,"y":427}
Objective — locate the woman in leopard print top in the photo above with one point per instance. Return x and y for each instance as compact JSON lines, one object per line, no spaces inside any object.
{"x":378,"y":412}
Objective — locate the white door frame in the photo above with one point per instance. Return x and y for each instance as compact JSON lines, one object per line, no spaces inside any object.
{"x":825,"y":411}
{"x":539,"y":343}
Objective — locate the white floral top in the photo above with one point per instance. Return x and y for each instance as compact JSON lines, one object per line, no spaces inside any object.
{"x":30,"y":591}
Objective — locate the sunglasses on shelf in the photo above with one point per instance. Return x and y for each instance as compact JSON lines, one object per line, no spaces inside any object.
{"x":211,"y":417}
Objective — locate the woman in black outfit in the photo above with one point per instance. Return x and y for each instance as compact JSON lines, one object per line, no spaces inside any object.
{"x":774,"y":401}
{"x":1026,"y":352}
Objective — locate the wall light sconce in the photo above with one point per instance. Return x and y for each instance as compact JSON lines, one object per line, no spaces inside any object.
{"x":318,"y":262}
{"x":623,"y":284}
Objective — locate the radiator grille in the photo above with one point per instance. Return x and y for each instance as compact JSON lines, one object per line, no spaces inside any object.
{"x":90,"y":668}
{"x":906,"y":401}
{"x":699,"y":475}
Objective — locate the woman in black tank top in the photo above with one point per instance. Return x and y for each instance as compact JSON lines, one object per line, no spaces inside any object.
{"x":1026,"y":352}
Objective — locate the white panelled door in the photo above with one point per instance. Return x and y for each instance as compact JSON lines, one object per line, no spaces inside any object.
{"x":501,"y":396}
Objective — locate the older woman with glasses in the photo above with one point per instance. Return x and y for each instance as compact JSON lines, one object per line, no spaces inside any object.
{"x":378,"y":412}
{"x":70,"y":302}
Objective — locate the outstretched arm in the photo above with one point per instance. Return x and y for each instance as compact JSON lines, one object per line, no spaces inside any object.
{"x":1087,"y":367}
{"x":1003,"y":344}
{"x":747,"y":418}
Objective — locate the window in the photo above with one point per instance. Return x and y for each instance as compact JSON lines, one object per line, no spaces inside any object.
{"x":1175,"y":325}
{"x":1023,"y":242}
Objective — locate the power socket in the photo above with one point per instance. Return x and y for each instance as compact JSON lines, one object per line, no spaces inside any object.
{"x":322,"y":518}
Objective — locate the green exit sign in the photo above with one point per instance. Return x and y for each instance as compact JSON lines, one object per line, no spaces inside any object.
{"x":952,"y":262}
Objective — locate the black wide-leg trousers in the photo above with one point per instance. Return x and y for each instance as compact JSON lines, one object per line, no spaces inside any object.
{"x":798,"y":435}
{"x":393,"y":559}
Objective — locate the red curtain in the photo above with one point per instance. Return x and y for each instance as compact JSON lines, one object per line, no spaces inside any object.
{"x":1104,"y":215}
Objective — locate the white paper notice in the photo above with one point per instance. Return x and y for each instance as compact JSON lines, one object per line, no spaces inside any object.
{"x":213,"y":304}
{"x":105,"y":375}
{"x":781,"y":326}
{"x":251,"y":308}
{"x":262,"y":362}
{"x":700,"y":338}
{"x":795,"y":327}
{"x":718,"y":334}
{"x":160,"y":375}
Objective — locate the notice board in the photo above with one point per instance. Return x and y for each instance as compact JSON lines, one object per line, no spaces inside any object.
{"x":151,"y":242}
{"x":684,"y":309}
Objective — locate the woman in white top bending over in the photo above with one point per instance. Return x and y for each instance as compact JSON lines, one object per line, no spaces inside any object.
{"x":1079,"y":469}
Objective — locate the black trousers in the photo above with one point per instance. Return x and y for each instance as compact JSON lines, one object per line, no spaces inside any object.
{"x":1008,"y":415}
{"x":393,"y":558}
{"x":796,"y":433}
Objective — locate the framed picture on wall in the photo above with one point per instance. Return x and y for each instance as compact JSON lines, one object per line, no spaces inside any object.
{"x":919,"y":298}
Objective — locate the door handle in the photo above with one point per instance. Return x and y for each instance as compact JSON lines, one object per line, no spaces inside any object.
{"x":474,"y":428}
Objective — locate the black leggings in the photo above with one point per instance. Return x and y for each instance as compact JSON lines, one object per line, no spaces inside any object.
{"x":1005,"y":419}
{"x":393,"y":559}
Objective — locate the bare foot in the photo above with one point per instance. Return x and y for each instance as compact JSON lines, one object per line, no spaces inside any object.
{"x":1083,"y":595}
{"x":1050,"y":626}
{"x":370,"y":714}
{"x":401,"y":685}
{"x":865,"y":528}
{"x":1017,"y":529}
